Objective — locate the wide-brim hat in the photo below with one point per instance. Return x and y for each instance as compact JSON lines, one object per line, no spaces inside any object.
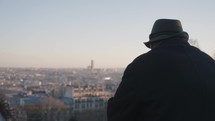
{"x":165,"y":29}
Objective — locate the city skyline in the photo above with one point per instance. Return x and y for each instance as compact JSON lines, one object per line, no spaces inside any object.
{"x":69,"y":34}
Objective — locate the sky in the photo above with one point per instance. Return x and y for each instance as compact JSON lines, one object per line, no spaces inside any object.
{"x":71,"y":33}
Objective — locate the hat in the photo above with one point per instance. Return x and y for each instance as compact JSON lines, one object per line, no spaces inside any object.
{"x":165,"y":29}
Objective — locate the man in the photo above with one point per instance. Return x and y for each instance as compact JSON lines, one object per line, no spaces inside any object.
{"x":174,"y":81}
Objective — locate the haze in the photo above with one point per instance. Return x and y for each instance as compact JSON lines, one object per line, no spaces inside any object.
{"x":71,"y":33}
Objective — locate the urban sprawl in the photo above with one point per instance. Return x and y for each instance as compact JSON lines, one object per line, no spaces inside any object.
{"x":58,"y":94}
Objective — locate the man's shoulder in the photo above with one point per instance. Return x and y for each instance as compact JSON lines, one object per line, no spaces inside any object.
{"x":148,"y":56}
{"x":142,"y":57}
{"x":141,"y":60}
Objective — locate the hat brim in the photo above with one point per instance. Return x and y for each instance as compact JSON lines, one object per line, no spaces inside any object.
{"x":162,"y":37}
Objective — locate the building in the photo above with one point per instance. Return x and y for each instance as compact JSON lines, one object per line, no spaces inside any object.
{"x":87,"y":97}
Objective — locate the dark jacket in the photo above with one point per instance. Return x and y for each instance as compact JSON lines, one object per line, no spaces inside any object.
{"x":172,"y":82}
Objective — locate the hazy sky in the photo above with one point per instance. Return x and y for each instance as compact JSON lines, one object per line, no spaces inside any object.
{"x":69,"y":33}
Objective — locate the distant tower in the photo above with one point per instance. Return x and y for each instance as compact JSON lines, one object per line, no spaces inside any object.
{"x":92,"y":65}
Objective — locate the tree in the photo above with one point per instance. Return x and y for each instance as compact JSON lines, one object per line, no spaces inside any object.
{"x":52,"y":104}
{"x":92,"y":115}
{"x":48,"y":109}
{"x":194,"y":42}
{"x":33,"y":112}
{"x":73,"y":118}
{"x":213,"y":56}
{"x":5,"y":110}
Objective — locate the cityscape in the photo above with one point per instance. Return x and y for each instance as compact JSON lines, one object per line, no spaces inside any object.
{"x":59,"y":94}
{"x":63,"y":60}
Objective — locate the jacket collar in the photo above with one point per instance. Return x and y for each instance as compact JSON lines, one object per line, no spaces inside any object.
{"x":172,"y":42}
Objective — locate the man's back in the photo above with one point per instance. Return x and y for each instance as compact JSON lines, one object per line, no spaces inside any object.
{"x":183,"y":79}
{"x":171,"y":82}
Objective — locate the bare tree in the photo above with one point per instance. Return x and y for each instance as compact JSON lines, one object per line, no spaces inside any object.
{"x":214,"y":56}
{"x":92,"y":115}
{"x":194,"y":42}
{"x":49,"y":109}
{"x":52,"y":104}
{"x":73,"y":118}
{"x":5,"y":110}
